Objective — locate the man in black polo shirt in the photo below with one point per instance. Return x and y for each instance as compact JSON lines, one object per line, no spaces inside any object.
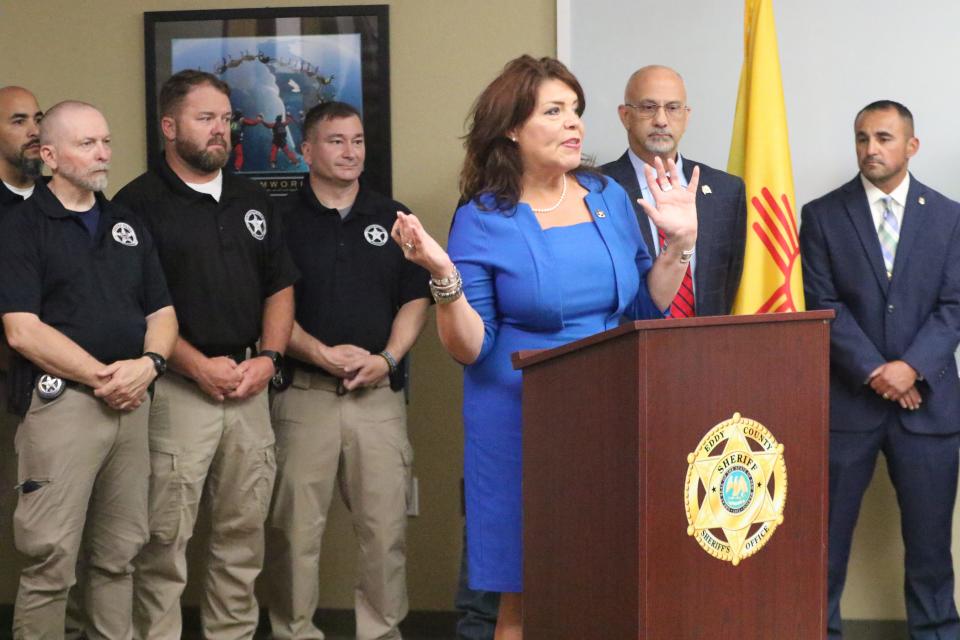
{"x":20,"y":165}
{"x":360,"y":307}
{"x":84,"y":301}
{"x":231,"y":279}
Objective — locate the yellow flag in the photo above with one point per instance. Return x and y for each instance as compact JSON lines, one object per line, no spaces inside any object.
{"x":760,"y":154}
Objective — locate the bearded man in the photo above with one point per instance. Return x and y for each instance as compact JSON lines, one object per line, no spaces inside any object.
{"x":231,"y":277}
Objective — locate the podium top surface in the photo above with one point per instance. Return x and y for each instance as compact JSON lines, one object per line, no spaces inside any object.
{"x":525,"y":358}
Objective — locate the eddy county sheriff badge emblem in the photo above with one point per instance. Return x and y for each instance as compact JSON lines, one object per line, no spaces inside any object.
{"x":736,"y":489}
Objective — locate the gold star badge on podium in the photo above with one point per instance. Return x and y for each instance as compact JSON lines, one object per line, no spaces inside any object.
{"x":736,"y":489}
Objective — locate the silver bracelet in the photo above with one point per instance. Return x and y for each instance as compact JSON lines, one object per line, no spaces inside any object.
{"x":448,"y":289}
{"x":447,"y":281}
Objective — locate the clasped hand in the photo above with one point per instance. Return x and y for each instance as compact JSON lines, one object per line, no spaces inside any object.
{"x":895,"y":381}
{"x":355,"y":365}
{"x":123,"y":384}
{"x":221,"y":377}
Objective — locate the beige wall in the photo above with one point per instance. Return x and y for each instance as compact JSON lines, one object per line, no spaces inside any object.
{"x":443,"y":52}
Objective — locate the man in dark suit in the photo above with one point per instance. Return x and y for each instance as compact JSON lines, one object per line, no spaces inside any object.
{"x":883,"y":251}
{"x":655,"y":115}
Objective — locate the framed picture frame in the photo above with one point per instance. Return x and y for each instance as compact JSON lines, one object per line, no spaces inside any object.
{"x":279,"y":63}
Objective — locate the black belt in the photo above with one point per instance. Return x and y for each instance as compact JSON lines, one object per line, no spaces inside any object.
{"x":238,"y":355}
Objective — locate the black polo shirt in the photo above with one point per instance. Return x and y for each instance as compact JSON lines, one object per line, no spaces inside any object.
{"x":8,"y":199}
{"x":355,"y":277}
{"x":222,"y":259}
{"x":99,"y":295}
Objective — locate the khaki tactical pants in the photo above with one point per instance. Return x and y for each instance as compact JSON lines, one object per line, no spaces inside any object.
{"x":360,"y":440}
{"x":225,"y":452}
{"x":83,"y":475}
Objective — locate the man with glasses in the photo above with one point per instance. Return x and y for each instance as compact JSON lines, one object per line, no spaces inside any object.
{"x":655,"y":115}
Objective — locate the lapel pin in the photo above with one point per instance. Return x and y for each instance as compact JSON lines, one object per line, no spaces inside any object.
{"x":601,"y":214}
{"x":922,"y":200}
{"x":706,"y":189}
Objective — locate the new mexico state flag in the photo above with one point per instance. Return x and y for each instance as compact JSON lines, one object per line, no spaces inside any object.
{"x":760,"y":154}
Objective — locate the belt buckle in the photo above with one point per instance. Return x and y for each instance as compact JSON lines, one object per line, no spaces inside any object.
{"x":50,"y":387}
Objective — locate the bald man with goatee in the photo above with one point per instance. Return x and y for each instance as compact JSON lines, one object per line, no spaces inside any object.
{"x":655,"y":114}
{"x":20,"y":166}
{"x":84,"y":302}
{"x":20,"y":162}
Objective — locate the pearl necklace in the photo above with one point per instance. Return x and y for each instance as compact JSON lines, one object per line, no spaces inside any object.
{"x":563,"y":194}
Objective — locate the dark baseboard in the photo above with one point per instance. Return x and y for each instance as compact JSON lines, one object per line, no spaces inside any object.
{"x":422,"y":625}
{"x":874,"y":630}
{"x":431,"y":625}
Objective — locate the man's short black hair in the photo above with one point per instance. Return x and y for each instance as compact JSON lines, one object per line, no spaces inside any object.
{"x":883,"y":105}
{"x":327,"y":111}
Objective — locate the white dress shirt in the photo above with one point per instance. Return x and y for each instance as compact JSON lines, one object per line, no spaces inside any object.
{"x":875,"y":198}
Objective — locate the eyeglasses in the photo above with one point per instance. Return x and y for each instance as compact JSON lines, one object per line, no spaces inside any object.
{"x":647,"y":110}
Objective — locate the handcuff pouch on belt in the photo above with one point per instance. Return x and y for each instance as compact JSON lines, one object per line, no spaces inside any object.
{"x":282,"y":379}
{"x":20,"y":379}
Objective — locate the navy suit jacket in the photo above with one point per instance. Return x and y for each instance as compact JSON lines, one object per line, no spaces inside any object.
{"x":913,"y":316}
{"x":721,"y":233}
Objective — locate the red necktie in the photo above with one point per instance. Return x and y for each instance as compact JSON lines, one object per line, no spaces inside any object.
{"x":683,"y":305}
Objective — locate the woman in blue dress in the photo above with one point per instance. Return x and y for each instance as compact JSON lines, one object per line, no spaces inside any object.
{"x":545,"y":251}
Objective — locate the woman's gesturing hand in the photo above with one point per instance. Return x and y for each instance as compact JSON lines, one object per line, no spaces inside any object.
{"x":419,"y":246}
{"x":674,"y":210}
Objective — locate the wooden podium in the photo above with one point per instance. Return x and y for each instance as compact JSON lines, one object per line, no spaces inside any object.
{"x":609,"y":422}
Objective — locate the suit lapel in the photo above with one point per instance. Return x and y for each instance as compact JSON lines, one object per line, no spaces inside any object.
{"x":622,"y":171}
{"x":704,"y":230}
{"x":858,"y":209}
{"x":912,"y":222}
{"x":600,"y":210}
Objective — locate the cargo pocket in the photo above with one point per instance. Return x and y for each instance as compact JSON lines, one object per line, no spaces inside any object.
{"x":166,"y":492}
{"x":36,"y":519}
{"x":266,"y":472}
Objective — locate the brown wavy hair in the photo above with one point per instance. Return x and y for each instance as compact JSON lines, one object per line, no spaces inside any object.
{"x":492,"y":164}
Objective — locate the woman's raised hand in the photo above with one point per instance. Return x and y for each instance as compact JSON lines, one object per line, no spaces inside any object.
{"x":419,"y":246}
{"x":675,"y":208}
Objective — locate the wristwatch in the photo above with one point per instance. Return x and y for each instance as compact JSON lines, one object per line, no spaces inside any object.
{"x":275,"y":358}
{"x":159,"y":362}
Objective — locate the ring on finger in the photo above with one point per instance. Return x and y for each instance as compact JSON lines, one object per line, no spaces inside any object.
{"x":886,"y":396}
{"x":408,"y":246}
{"x":666,"y":187}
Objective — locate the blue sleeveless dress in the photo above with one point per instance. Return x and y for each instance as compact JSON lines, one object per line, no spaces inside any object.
{"x":534,"y":289}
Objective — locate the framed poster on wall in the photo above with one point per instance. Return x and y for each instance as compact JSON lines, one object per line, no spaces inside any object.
{"x":279,"y":63}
